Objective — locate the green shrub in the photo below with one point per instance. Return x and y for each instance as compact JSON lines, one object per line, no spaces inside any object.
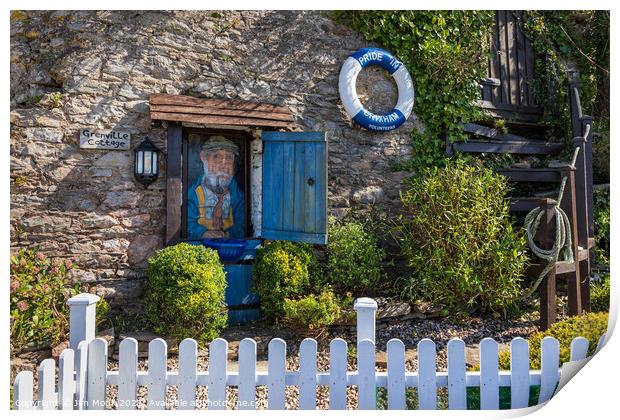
{"x":457,"y":237}
{"x":601,"y":225}
{"x":39,"y":291}
{"x":283,"y":270}
{"x":353,"y":257}
{"x":185,"y":296}
{"x":600,"y":294}
{"x":590,"y":325}
{"x":311,"y":314}
{"x":600,"y":152}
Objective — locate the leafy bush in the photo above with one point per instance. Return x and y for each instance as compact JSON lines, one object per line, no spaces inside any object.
{"x":185,"y":298}
{"x":600,"y":153}
{"x":39,"y":291}
{"x":457,"y":237}
{"x":353,"y":257}
{"x":312,"y":314}
{"x":600,"y":294}
{"x":601,"y":225}
{"x":590,"y":325}
{"x":558,"y":38}
{"x":283,"y":270}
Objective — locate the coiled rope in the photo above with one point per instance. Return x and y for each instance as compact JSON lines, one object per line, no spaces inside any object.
{"x":563,"y":242}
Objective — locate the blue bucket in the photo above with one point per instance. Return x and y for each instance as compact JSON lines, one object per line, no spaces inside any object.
{"x":229,"y":250}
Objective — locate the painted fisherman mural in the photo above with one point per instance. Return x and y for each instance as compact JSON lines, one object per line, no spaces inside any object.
{"x":215,"y":202}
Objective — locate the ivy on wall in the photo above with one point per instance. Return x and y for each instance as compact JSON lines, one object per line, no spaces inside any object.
{"x":566,"y":39}
{"x":446,"y":53}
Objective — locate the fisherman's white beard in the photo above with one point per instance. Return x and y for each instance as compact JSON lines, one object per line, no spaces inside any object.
{"x":218,"y":181}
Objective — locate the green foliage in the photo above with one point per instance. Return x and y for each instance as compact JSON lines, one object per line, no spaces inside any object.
{"x":284,"y":270}
{"x":446,"y":53}
{"x":102,"y":308}
{"x":18,"y":15}
{"x":590,"y":325}
{"x":600,"y":294}
{"x":39,"y":291}
{"x":457,"y":237}
{"x":55,"y":100}
{"x":185,"y":292}
{"x":600,"y":152}
{"x":601,"y":225}
{"x":311,"y":314}
{"x":505,"y":403}
{"x":353,"y":257}
{"x":128,"y":321}
{"x":21,"y":180}
{"x":561,"y":36}
{"x":38,"y":294}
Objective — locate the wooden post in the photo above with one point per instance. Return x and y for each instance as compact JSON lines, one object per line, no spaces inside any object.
{"x":585,"y":265}
{"x":569,"y":206}
{"x":574,"y":102}
{"x":82,"y":318}
{"x":584,"y":270}
{"x":547,"y":286}
{"x":449,"y":150}
{"x":581,"y":192}
{"x":583,"y":222}
{"x":173,"y":184}
{"x":585,"y":121}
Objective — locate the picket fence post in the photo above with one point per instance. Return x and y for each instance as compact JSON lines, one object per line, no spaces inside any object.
{"x":188,"y":353}
{"x":23,"y":391}
{"x":82,"y":314}
{"x":367,"y":380}
{"x":66,"y":379}
{"x":396,"y":382}
{"x":246,"y":396}
{"x":366,"y":309}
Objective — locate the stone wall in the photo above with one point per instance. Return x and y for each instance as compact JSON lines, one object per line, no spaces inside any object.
{"x":72,"y":70}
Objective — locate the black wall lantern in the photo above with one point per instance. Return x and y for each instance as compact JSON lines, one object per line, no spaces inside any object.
{"x":146,"y":162}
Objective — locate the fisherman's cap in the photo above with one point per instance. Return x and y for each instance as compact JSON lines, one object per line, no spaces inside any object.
{"x":218,"y":143}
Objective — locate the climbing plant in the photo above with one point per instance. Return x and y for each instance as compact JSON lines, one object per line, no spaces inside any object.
{"x":446,"y":53}
{"x":566,"y":39}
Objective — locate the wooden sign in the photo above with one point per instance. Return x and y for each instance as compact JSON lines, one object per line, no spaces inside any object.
{"x":109,"y":140}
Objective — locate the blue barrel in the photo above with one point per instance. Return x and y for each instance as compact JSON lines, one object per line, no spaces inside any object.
{"x":242,"y":302}
{"x":243,"y":305}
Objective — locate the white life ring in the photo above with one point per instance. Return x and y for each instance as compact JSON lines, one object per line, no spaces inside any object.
{"x":346,"y":86}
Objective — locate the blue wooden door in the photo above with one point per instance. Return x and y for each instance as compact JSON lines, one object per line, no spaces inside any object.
{"x":294,"y":186}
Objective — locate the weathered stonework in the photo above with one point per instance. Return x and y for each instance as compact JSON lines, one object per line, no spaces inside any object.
{"x":72,"y":70}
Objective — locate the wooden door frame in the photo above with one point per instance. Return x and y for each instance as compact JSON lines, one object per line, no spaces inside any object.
{"x":174,"y":184}
{"x":177,"y":181}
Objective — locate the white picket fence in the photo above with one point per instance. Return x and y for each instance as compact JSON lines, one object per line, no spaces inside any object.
{"x":83,"y":374}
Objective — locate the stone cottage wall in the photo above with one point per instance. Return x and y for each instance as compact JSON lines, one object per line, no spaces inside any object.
{"x":72,"y":70}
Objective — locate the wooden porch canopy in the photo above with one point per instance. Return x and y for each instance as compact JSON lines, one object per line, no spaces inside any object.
{"x":181,"y":108}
